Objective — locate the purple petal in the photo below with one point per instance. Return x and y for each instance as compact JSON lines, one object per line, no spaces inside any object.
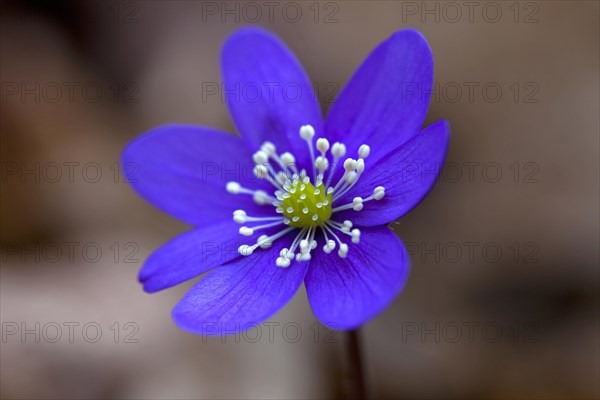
{"x":240,"y":294}
{"x":191,"y":254}
{"x":408,"y":173}
{"x":386,"y":100}
{"x":183,"y":170}
{"x":344,"y":293}
{"x":268,"y":93}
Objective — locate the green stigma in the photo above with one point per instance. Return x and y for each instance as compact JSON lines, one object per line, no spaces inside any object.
{"x":306,"y":206}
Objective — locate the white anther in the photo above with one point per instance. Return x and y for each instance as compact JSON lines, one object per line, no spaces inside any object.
{"x":282,"y":178}
{"x":378,"y":193}
{"x":351,"y":177}
{"x":321,"y":163}
{"x":233,"y":187}
{"x":323,"y":145}
{"x":314,"y":217}
{"x":307,"y":132}
{"x":348,"y":224}
{"x":355,"y":235}
{"x":338,"y":150}
{"x":289,"y":210}
{"x":269,"y":148}
{"x":246,"y":250}
{"x":357,"y":203}
{"x":288,"y":159}
{"x":240,"y":216}
{"x":260,"y":171}
{"x":260,"y":157}
{"x":261,"y":197}
{"x":330,"y":246}
{"x":343,"y":251}
{"x":263,"y":242}
{"x":244,"y":230}
{"x":360,"y":165}
{"x":363,"y":151}
{"x":349,"y":165}
{"x":303,"y":245}
{"x":289,"y":255}
{"x":303,"y":257}
{"x":282,"y":262}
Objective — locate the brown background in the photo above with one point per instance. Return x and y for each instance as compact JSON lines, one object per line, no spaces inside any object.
{"x":544,"y":298}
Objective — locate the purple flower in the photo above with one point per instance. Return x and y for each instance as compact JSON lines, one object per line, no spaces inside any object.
{"x":313,"y":195}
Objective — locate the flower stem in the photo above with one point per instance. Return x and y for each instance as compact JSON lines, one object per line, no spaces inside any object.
{"x":354,"y":384}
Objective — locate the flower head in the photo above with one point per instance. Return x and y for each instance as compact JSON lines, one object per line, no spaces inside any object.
{"x":296,"y":198}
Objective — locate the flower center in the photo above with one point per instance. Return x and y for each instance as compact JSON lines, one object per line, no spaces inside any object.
{"x":304,"y":206}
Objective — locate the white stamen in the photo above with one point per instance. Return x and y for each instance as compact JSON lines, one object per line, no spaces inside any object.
{"x":247,"y":250}
{"x":307,"y":132}
{"x":288,"y":159}
{"x":263,"y":242}
{"x":349,"y":164}
{"x":321,"y":163}
{"x":323,"y":145}
{"x":329,"y":247}
{"x":269,"y":148}
{"x":360,"y":165}
{"x":338,"y":150}
{"x":233,"y":187}
{"x":239,"y":216}
{"x":357,"y":203}
{"x":260,"y":171}
{"x":260,"y":157}
{"x":261,"y":197}
{"x":244,"y":230}
{"x":343,"y":251}
{"x":355,"y":236}
{"x":379,"y":192}
{"x":363,"y":151}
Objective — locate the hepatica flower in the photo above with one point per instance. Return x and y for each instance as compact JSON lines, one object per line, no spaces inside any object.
{"x":297,"y":198}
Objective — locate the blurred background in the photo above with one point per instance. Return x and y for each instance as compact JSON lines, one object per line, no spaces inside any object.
{"x":502,"y":301}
